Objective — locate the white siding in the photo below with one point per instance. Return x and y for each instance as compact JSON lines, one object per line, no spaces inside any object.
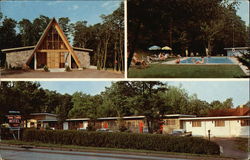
{"x":85,"y":125}
{"x":236,"y":53}
{"x":232,"y":128}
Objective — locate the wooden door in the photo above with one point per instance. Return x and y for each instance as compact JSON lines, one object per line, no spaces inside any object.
{"x":41,"y":59}
{"x":62,"y":60}
{"x":53,"y":59}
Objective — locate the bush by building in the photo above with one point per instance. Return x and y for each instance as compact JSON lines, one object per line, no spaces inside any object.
{"x":124,"y":140}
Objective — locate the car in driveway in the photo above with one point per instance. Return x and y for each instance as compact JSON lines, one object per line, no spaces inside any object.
{"x":104,"y":130}
{"x":181,"y":132}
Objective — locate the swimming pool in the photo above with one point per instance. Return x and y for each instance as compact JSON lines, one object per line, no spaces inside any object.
{"x":208,"y":60}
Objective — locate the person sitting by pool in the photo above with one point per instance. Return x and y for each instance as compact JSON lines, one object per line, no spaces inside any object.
{"x":152,"y":58}
{"x":178,"y":60}
{"x":162,"y":57}
{"x":137,"y":61}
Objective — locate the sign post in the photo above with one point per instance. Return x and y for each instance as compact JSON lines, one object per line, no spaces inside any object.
{"x":14,"y":120}
{"x":209,"y":133}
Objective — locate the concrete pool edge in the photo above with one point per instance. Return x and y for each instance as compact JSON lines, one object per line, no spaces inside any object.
{"x":243,"y":68}
{"x":233,"y":59}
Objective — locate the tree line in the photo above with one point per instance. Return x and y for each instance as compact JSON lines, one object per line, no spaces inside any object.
{"x":152,"y":99}
{"x":185,"y":25}
{"x":105,"y":38}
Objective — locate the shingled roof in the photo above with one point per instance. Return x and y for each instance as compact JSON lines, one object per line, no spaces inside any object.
{"x":239,"y":111}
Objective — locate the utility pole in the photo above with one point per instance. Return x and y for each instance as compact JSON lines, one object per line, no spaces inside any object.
{"x":233,"y":34}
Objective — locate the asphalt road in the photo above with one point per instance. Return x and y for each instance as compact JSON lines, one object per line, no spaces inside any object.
{"x":16,"y":153}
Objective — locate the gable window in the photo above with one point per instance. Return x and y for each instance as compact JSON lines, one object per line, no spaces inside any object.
{"x":245,"y":122}
{"x":196,"y":124}
{"x":219,"y":123}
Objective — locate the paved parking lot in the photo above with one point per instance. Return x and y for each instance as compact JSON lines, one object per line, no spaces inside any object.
{"x":229,"y":148}
{"x":86,"y":73}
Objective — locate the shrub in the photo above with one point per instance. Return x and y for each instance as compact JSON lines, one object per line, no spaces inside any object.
{"x":46,"y":69}
{"x":124,"y":140}
{"x":7,"y":134}
{"x":67,"y":69}
{"x":245,"y":59}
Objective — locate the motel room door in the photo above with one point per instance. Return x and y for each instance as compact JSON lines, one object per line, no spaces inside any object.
{"x":55,"y":60}
{"x":65,"y":125}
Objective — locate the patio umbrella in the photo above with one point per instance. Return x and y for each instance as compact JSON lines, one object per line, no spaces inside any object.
{"x":153,"y":48}
{"x":167,"y":48}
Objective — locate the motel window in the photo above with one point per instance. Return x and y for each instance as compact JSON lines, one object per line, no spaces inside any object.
{"x":245,"y":122}
{"x":219,"y":123}
{"x":32,"y":124}
{"x":196,"y":124}
{"x":170,"y":122}
{"x":132,"y":124}
{"x":129,"y":124}
{"x":136,"y":123}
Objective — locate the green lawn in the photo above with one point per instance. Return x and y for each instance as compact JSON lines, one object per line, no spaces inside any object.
{"x":186,"y":71}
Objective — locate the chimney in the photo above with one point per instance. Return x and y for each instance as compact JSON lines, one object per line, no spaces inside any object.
{"x":241,"y":109}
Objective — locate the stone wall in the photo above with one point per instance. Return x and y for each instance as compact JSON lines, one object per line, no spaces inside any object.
{"x":84,"y":58}
{"x":17,"y":59}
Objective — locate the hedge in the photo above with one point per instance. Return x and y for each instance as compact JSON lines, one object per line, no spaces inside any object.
{"x":7,"y":134}
{"x":124,"y":140}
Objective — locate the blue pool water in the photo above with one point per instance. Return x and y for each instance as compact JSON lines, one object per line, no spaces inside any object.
{"x":208,"y":60}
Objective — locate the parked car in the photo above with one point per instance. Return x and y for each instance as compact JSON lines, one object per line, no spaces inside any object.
{"x":104,"y":130}
{"x":181,"y":132}
{"x":81,"y":129}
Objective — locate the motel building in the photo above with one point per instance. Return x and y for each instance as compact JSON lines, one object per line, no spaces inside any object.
{"x":41,"y":120}
{"x":135,"y":124}
{"x":224,"y":126}
{"x":233,"y":122}
{"x":226,"y":123}
{"x":52,"y":50}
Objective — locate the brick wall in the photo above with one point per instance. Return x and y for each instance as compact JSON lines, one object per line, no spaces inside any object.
{"x":170,"y":125}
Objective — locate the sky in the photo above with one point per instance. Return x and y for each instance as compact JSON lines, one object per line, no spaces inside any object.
{"x":89,"y":10}
{"x":205,"y":90}
{"x":243,"y":10}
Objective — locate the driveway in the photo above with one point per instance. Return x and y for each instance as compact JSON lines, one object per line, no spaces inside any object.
{"x":86,"y":73}
{"x":229,"y":148}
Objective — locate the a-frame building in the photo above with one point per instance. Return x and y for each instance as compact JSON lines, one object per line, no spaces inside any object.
{"x":52,"y":50}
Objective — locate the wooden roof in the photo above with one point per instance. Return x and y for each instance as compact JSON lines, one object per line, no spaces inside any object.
{"x":239,"y":111}
{"x":32,"y":47}
{"x":54,"y":23}
{"x":18,"y":49}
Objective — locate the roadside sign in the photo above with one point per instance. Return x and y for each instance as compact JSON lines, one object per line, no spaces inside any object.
{"x":14,"y":120}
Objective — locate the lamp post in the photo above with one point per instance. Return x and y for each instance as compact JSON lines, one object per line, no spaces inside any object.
{"x":209,"y":133}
